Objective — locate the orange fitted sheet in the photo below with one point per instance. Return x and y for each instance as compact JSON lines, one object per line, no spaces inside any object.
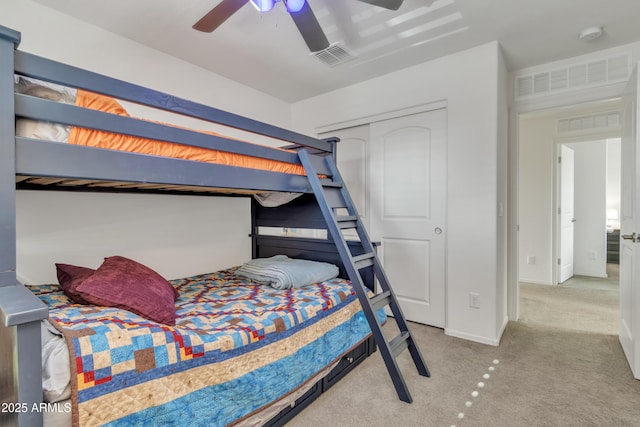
{"x":114,"y":141}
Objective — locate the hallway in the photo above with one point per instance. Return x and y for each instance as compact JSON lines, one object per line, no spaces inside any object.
{"x":587,"y":304}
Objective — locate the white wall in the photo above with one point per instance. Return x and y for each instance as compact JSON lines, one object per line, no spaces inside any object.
{"x":469,"y":84}
{"x":537,"y":154}
{"x":176,"y":235}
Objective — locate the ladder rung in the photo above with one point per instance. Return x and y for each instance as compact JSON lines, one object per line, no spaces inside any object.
{"x":399,"y":343}
{"x":334,"y":198}
{"x":347,"y":221}
{"x":329,"y":183}
{"x":362,"y":261}
{"x":381,"y":300}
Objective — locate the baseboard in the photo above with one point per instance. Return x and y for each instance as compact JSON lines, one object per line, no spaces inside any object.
{"x":591,"y":274}
{"x":505,"y":322}
{"x":535,"y":282}
{"x":23,"y":280}
{"x":476,"y":338}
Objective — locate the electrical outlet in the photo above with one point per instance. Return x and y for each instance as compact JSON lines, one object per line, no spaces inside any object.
{"x":474,"y":300}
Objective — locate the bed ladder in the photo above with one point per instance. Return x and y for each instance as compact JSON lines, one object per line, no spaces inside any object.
{"x":332,"y":195}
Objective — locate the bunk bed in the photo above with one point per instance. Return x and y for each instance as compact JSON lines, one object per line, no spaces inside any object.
{"x":30,"y":163}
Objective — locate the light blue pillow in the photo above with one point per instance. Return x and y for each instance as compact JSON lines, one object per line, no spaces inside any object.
{"x":282,"y":272}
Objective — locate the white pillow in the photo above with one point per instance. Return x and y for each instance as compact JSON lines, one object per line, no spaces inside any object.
{"x":28,"y":128}
{"x":46,"y":90}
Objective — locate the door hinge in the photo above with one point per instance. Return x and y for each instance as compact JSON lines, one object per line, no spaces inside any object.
{"x":559,"y":262}
{"x":559,"y":159}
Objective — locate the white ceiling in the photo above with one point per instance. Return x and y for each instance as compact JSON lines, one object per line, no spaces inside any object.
{"x":266,"y":52}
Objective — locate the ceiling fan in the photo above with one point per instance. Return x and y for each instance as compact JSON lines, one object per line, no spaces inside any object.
{"x":300,"y":12}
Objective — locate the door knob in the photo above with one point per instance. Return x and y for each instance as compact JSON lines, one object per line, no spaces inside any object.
{"x":438,"y":230}
{"x":631,"y":236}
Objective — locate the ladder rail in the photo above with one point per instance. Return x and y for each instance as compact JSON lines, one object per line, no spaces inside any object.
{"x":325,"y":189}
{"x":362,"y":233}
{"x":401,"y":321}
{"x":379,"y":272}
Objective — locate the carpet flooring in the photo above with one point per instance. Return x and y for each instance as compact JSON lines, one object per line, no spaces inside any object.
{"x":561,"y":364}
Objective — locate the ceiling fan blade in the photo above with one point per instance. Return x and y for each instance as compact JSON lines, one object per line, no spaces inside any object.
{"x":310,"y":28}
{"x":218,"y":15}
{"x":387,"y":4}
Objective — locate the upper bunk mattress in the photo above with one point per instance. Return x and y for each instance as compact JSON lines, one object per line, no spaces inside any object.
{"x":113,"y":141}
{"x":121,"y":142}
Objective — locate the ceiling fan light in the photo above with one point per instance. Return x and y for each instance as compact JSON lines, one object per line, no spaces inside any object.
{"x":263,"y":5}
{"x":294,"y":5}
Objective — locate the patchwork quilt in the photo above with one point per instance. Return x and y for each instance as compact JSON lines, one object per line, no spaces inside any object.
{"x":237,"y":347}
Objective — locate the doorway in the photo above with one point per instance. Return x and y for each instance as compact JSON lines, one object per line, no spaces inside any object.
{"x":588,"y":183}
{"x":563,"y":243}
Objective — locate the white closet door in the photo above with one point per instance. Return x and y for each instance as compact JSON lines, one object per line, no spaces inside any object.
{"x":407,"y":172}
{"x":395,"y":172}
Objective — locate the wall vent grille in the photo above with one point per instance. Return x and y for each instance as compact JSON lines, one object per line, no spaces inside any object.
{"x":589,"y":123}
{"x":558,"y":80}
{"x":588,"y":74}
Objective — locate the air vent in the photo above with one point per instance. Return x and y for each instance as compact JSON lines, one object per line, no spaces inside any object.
{"x":525,"y":86}
{"x":541,"y":82}
{"x":595,"y":122}
{"x":333,"y":55}
{"x":597,"y":71}
{"x":578,"y":75}
{"x":592,"y":72}
{"x":558,"y":80}
{"x":618,"y":67}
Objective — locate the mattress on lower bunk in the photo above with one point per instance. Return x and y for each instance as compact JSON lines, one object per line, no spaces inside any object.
{"x":237,"y":348}
{"x":113,"y":141}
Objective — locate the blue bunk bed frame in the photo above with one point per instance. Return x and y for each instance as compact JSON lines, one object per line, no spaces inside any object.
{"x":20,"y":311}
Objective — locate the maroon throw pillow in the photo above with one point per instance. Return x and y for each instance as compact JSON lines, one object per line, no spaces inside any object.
{"x":70,"y":277}
{"x":124,"y":283}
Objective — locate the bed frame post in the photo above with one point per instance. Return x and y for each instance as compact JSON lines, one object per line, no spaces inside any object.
{"x":334,"y":149}
{"x":9,"y":40}
{"x":20,"y":310}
